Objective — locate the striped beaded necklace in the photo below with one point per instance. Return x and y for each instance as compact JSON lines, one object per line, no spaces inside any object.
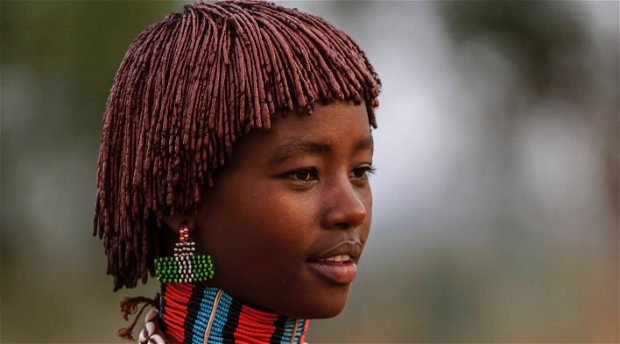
{"x":194,"y":313}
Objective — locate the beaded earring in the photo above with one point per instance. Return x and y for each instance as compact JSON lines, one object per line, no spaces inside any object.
{"x":184,"y":266}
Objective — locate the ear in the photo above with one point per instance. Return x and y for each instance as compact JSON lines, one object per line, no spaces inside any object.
{"x":175,"y":221}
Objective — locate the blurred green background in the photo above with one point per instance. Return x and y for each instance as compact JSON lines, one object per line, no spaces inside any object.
{"x":496,"y":198}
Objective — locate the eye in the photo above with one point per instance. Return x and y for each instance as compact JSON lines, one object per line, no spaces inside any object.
{"x":304,"y":175}
{"x":361,"y":173}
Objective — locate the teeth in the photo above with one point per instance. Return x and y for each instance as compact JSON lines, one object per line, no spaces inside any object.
{"x":338,"y":259}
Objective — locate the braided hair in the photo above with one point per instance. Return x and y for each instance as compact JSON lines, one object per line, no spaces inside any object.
{"x":187,"y":88}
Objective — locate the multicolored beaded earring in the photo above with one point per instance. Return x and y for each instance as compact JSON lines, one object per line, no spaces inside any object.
{"x":184,"y":266}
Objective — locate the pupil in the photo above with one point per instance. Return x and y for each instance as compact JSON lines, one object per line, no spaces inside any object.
{"x":303,"y":175}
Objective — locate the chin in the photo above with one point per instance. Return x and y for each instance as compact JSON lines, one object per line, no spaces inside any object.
{"x":327,"y":312}
{"x":324,"y":304}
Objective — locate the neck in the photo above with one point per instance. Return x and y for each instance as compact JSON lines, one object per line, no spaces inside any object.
{"x":194,"y":313}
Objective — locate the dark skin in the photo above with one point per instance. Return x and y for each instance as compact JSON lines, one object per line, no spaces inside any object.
{"x":290,"y":193}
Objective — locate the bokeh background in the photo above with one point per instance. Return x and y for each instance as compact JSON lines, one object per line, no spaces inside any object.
{"x":496,"y":197}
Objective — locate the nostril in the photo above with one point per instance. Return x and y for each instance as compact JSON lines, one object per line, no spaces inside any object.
{"x":342,"y":225}
{"x":347,"y":225}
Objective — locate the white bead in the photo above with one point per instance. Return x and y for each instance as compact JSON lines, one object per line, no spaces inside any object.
{"x":157,"y":339}
{"x":143,"y":337}
{"x":150,"y":328}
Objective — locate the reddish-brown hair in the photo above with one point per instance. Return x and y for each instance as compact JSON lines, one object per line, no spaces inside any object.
{"x":187,"y":88}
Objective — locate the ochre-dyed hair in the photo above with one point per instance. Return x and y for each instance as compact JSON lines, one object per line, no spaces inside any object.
{"x":187,"y":88}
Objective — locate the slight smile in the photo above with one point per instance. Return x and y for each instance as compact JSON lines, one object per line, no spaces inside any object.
{"x":338,"y":263}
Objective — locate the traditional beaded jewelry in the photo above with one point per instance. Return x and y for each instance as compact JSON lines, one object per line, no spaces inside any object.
{"x":198,"y":314}
{"x":184,"y":266}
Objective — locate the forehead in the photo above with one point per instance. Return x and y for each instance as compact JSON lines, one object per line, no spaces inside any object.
{"x":340,"y":127}
{"x":337,"y":123}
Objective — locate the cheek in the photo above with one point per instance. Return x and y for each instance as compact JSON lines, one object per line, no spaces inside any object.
{"x":262,"y":230}
{"x":281,"y":225}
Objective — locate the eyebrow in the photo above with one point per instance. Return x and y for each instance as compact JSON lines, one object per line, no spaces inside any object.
{"x":299,"y":147}
{"x":365,"y":144}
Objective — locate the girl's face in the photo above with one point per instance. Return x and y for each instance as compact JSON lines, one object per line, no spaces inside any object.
{"x":294,"y":196}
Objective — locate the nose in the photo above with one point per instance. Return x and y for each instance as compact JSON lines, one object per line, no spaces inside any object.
{"x":344,"y":207}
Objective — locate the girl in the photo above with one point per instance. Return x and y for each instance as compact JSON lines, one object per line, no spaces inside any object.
{"x":234,"y":166}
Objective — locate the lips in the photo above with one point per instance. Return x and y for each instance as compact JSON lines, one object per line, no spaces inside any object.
{"x":336,"y":262}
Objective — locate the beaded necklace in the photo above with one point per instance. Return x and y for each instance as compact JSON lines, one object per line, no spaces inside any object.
{"x":193,"y":313}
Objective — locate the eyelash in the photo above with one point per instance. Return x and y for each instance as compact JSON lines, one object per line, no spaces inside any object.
{"x":313,"y":173}
{"x":366,"y":171}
